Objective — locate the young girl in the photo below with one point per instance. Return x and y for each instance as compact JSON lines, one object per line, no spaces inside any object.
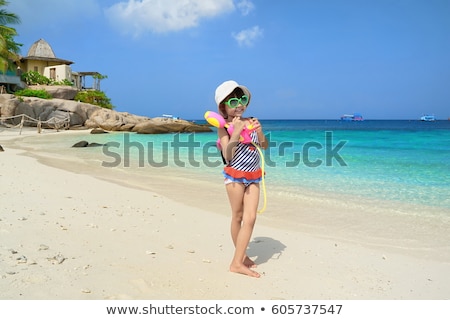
{"x":242,"y":171}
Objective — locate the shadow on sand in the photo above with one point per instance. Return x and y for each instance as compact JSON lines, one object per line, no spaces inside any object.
{"x":264,"y":249}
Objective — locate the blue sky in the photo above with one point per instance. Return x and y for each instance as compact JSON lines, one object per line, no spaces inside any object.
{"x":302,"y":59}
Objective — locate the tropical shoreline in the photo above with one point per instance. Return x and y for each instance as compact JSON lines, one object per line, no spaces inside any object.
{"x":393,"y":225}
{"x":125,"y":237}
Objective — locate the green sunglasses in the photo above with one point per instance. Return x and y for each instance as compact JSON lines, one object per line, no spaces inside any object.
{"x":235,"y":102}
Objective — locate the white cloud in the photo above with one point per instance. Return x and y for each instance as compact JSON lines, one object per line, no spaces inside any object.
{"x":249,"y":36}
{"x":159,"y":16}
{"x":245,"y":6}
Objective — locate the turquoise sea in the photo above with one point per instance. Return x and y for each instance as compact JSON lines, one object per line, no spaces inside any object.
{"x":405,"y":161}
{"x":395,"y":160}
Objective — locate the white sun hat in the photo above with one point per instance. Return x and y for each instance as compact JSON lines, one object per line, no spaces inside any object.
{"x":228,"y":87}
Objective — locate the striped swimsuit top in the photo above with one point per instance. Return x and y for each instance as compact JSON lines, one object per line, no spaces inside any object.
{"x":245,"y":165}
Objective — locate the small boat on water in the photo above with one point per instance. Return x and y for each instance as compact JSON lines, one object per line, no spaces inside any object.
{"x":352,"y":117}
{"x":428,"y":117}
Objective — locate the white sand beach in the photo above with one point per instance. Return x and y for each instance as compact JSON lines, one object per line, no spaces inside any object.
{"x":68,"y":231}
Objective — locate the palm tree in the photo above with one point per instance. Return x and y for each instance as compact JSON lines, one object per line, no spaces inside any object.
{"x":9,"y":49}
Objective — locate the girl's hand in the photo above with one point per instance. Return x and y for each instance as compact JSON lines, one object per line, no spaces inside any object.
{"x":258,"y":128}
{"x":256,"y":125}
{"x":238,"y":125}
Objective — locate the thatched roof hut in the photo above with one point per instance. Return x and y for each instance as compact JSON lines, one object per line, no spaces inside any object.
{"x":42,"y":51}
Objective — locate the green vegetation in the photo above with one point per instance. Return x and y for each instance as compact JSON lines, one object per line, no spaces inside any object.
{"x":96,"y":97}
{"x":34,"y":77}
{"x":33,"y":93}
{"x":9,"y":49}
{"x":100,"y":76}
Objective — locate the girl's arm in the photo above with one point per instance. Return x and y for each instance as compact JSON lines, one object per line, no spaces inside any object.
{"x":229,"y":143}
{"x":261,"y":137}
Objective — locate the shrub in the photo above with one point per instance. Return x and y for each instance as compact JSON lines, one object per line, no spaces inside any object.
{"x":34,"y":77}
{"x":64,"y":82}
{"x":33,"y":93}
{"x":95,"y":97}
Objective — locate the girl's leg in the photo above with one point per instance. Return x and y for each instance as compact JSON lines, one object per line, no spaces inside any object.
{"x":236,"y":196}
{"x":251,"y":201}
{"x":244,"y":204}
{"x":235,"y":193}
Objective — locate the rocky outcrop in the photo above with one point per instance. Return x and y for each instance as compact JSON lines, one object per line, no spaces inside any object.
{"x":89,"y":116}
{"x":161,"y":125}
{"x":44,"y":110}
{"x":59,"y":92}
{"x":111,"y":120}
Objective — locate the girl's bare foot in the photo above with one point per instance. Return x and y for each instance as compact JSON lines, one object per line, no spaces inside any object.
{"x":249,"y":263}
{"x":242,"y":269}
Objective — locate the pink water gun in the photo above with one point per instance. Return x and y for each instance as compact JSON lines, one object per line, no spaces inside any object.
{"x":216,"y":120}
